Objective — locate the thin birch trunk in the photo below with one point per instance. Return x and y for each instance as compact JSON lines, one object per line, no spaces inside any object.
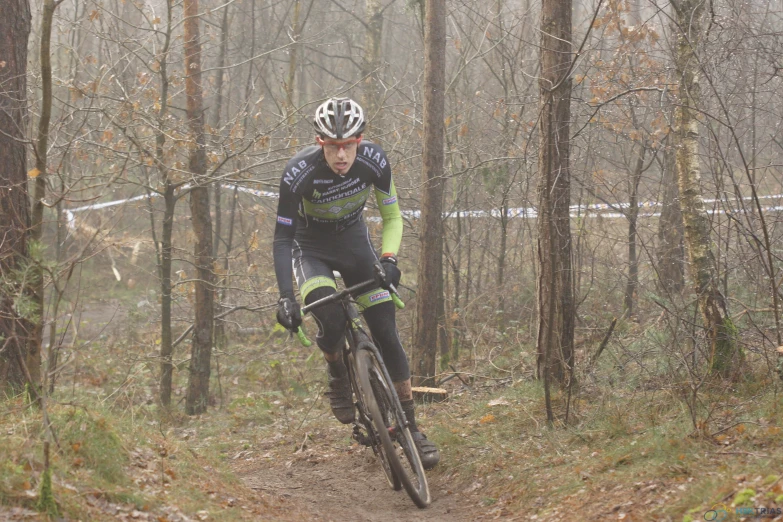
{"x":720,"y":330}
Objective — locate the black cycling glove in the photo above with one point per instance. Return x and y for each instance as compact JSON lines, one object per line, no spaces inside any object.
{"x":391,"y":272}
{"x":288,"y":313}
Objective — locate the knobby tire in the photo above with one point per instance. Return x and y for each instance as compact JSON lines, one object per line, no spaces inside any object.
{"x":364,"y":408}
{"x":382,"y":403}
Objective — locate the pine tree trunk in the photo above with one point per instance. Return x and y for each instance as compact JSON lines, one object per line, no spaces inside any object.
{"x":555,"y":343}
{"x":15,"y":331}
{"x":428,"y":300}
{"x":198,"y":383}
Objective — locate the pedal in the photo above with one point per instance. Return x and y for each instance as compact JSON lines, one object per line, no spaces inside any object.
{"x":360,"y":437}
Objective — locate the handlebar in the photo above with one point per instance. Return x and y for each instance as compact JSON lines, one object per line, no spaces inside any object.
{"x":339,"y":296}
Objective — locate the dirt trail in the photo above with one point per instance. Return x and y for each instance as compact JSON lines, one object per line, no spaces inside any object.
{"x":336,"y":482}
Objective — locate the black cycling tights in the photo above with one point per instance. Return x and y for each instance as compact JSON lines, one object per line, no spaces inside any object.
{"x":383,"y":326}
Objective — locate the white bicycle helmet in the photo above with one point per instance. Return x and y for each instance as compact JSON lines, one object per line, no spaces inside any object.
{"x":339,"y":118}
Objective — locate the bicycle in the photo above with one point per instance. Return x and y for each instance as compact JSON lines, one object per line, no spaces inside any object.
{"x":380,"y":413}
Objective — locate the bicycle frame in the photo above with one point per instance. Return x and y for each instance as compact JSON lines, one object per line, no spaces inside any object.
{"x":383,"y":427}
{"x":355,"y":335}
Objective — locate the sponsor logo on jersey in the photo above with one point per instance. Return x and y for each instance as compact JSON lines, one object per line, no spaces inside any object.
{"x":375,"y":156}
{"x":285,"y":221}
{"x":389,"y":201}
{"x":323,"y":181}
{"x":316,"y":194}
{"x":289,"y":176}
{"x":344,"y":193}
{"x":379,"y":296}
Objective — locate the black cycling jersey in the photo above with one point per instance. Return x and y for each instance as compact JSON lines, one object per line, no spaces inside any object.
{"x":316,"y":202}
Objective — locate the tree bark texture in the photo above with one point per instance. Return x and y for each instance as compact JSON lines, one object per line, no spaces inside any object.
{"x":430,"y":275}
{"x":198,"y":384}
{"x":555,"y":343}
{"x":671,"y":249}
{"x":372,"y":57}
{"x":720,"y":330}
{"x":220,"y":331}
{"x":170,"y":202}
{"x":15,"y":25}
{"x":633,"y":218}
{"x":292,"y":59}
{"x":166,"y":342}
{"x":39,"y":192}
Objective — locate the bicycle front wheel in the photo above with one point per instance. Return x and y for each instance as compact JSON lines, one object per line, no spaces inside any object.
{"x":390,"y":422}
{"x":366,"y":420}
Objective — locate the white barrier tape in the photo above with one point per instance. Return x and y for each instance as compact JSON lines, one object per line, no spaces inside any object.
{"x":594,"y":210}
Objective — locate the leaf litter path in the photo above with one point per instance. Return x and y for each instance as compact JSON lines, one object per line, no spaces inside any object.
{"x":333,"y":481}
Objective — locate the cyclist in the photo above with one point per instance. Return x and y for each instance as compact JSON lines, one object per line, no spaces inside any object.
{"x":320,"y":229}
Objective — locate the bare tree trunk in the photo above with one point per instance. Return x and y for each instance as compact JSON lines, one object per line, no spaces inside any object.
{"x":555,"y":344}
{"x":720,"y":330}
{"x":215,"y":123}
{"x":169,"y":205}
{"x":15,"y":22}
{"x":500,"y":281}
{"x":671,"y":250}
{"x":430,"y":275}
{"x":633,"y":216}
{"x":166,"y":341}
{"x":297,"y":26}
{"x":54,"y":346}
{"x":457,"y":312}
{"x":39,"y":191}
{"x":220,"y":330}
{"x":372,"y":57}
{"x":198,"y":382}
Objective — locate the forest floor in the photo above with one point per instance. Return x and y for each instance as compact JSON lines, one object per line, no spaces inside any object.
{"x":287,"y":459}
{"x":498,"y":463}
{"x":636,"y":445}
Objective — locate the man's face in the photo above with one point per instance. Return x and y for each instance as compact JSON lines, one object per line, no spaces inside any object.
{"x":339,"y":154}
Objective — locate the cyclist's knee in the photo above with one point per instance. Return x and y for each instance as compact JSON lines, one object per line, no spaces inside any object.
{"x":330,"y":319}
{"x":382,"y":323}
{"x":397,"y":365}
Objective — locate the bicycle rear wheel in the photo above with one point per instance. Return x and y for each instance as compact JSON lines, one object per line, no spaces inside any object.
{"x":390,"y":422}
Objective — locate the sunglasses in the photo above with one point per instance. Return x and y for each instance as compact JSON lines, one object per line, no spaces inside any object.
{"x":333,"y":146}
